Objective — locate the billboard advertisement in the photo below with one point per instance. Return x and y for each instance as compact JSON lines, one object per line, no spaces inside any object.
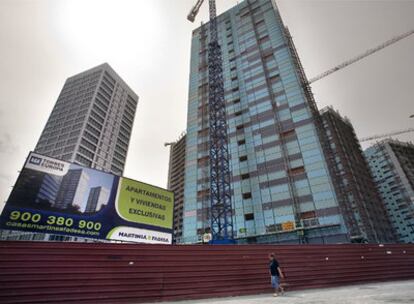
{"x":57,"y":197}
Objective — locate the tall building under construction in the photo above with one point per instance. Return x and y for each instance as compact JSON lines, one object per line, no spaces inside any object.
{"x":392,"y":165}
{"x":359,"y":199}
{"x":282,"y":185}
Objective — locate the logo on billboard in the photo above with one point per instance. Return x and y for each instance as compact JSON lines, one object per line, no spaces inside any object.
{"x":47,"y":164}
{"x":139,"y":235}
{"x":35,"y":160}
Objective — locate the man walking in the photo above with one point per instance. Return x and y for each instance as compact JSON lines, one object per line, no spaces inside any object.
{"x":275,"y":274}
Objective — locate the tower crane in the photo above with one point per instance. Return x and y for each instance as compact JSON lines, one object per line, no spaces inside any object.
{"x":386,"y":135}
{"x":221,"y":220}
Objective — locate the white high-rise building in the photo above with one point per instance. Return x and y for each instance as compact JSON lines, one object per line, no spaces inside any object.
{"x":90,"y":125}
{"x":92,"y":120}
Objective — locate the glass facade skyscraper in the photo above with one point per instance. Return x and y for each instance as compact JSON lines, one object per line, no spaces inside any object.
{"x":281,"y":186}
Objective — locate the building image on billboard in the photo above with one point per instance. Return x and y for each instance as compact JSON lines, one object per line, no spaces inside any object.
{"x":49,"y":189}
{"x":36,"y":187}
{"x":98,"y":197}
{"x":72,"y":189}
{"x":54,"y":196}
{"x":78,"y":190}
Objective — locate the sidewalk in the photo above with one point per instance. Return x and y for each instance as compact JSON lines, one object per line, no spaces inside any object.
{"x":401,"y":292}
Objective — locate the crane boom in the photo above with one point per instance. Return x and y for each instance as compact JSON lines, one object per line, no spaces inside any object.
{"x":361,"y":56}
{"x":386,"y":135}
{"x":194,"y":11}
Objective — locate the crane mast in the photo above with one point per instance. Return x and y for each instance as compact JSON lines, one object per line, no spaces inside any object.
{"x":221,"y":220}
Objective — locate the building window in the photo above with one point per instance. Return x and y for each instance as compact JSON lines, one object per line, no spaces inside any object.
{"x":247,"y":195}
{"x":259,"y":22}
{"x":243,"y":158}
{"x":274,"y":78}
{"x":82,"y":160}
{"x":249,"y":217}
{"x":264,"y":39}
{"x":245,"y":176}
{"x":241,"y":142}
{"x":288,"y":133}
{"x":297,"y":170}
